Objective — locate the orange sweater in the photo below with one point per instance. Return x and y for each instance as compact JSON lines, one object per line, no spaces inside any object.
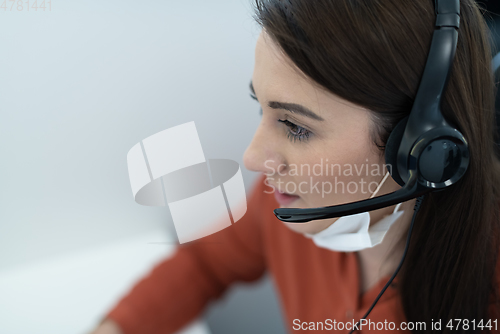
{"x":314,"y":284}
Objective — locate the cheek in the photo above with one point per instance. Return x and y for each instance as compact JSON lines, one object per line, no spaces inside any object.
{"x":339,"y":180}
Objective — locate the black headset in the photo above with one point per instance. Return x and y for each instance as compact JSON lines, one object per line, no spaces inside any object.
{"x":424,"y":152}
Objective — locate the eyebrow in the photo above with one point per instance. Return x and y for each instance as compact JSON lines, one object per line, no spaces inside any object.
{"x":291,"y":107}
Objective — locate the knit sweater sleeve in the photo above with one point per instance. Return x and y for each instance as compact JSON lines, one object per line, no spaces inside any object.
{"x":176,"y":291}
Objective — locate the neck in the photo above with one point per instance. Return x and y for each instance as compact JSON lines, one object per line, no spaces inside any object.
{"x":383,"y":259}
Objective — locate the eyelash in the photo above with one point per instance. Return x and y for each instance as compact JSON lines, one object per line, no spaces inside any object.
{"x":301,"y":134}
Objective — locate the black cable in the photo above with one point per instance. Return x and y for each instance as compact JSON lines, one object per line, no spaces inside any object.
{"x":416,"y":208}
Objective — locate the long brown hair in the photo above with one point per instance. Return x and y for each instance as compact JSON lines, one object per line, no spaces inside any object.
{"x":372,"y":53}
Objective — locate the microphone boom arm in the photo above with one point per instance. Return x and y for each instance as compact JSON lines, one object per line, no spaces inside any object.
{"x":412,"y":189}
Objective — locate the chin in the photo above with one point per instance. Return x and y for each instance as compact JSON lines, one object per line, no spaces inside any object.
{"x":301,"y":228}
{"x":311,"y":227}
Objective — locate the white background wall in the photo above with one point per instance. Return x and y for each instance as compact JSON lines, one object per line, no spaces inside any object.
{"x":84,"y":82}
{"x":79,"y":86}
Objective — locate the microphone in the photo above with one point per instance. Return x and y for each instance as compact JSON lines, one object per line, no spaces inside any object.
{"x":412,"y":189}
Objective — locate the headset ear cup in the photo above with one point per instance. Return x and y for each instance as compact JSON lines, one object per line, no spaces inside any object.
{"x":391,"y":150}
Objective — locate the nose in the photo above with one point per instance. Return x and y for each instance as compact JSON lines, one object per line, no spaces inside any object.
{"x":263,"y":154}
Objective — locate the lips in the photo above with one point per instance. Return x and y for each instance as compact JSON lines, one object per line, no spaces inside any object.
{"x":284,"y":198}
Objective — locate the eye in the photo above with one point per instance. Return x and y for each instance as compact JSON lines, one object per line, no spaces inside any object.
{"x":295,"y":132}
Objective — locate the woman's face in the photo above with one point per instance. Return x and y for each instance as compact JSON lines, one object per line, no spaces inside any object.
{"x":310,"y":143}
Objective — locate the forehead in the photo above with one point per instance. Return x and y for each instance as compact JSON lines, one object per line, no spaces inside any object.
{"x":275,"y":77}
{"x":274,"y":70}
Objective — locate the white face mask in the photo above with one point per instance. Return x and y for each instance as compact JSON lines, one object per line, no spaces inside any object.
{"x":354,"y":233}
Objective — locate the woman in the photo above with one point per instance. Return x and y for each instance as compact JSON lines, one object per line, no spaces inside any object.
{"x":333,"y":79}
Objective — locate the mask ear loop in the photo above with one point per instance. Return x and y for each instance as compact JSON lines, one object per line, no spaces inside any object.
{"x":380,"y":185}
